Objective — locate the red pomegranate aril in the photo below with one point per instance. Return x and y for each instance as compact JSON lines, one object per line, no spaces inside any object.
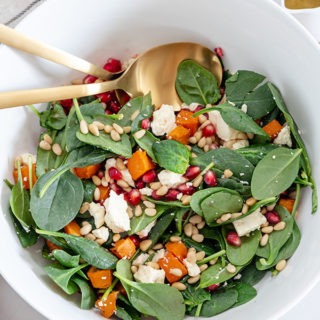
{"x":105,"y":97}
{"x":145,"y":124}
{"x":118,"y":190}
{"x":210,"y":178}
{"x":67,"y":103}
{"x":114,"y":173}
{"x":209,"y":130}
{"x":219,"y":52}
{"x":155,"y":196}
{"x":140,"y":184}
{"x":172,"y":195}
{"x":135,"y":240}
{"x":89,"y":79}
{"x":233,"y":239}
{"x":198,"y":108}
{"x":134,"y":197}
{"x":113,"y":65}
{"x":185,"y":189}
{"x":149,"y":176}
{"x":273,"y":217}
{"x":192,"y":172}
{"x":213,"y":287}
{"x":114,"y":106}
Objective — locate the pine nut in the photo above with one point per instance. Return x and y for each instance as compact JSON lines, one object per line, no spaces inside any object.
{"x":195,"y":230}
{"x":115,"y":136}
{"x":192,"y":256}
{"x":90,"y":236}
{"x":197,"y":181}
{"x":205,"y":123}
{"x":155,"y":185}
{"x":104,"y":182}
{"x":195,"y":219}
{"x":193,"y":280}
{"x":176,"y":272}
{"x":279,"y":226}
{"x":107,"y":128}
{"x":264,"y":240}
{"x":188,"y":229}
{"x":270,"y":207}
{"x":193,"y":155}
{"x":139,"y":134}
{"x":130,"y":212}
{"x":193,"y":140}
{"x":200,"y":255}
{"x":197,"y":237}
{"x":138,"y":211}
{"x":267,"y":229}
{"x":281,"y":265}
{"x":236,"y":215}
{"x":153,"y":265}
{"x":179,"y":285}
{"x":188,"y":147}
{"x":98,"y":124}
{"x":175,"y":239}
{"x":202,"y":142}
{"x":134,"y":115}
{"x":84,"y":127}
{"x":96,"y":194}
{"x":208,"y":141}
{"x":198,"y":135}
{"x":213,"y":261}
{"x":47,"y":138}
{"x":100,"y":241}
{"x":145,"y":244}
{"x":118,"y":128}
{"x":225,"y":217}
{"x":85,"y":229}
{"x":56,"y":148}
{"x":44,"y":145}
{"x":162,"y":191}
{"x":201,"y":225}
{"x":157,"y":246}
{"x":93,"y":129}
{"x":150,"y":212}
{"x":127,"y":129}
{"x":227,"y":173}
{"x":231,"y":268}
{"x":123,"y":184}
{"x":120,"y":164}
{"x":116,"y":237}
{"x":202,"y":118}
{"x":134,"y":269}
{"x":85,"y":207}
{"x":251,"y":201}
{"x":245,"y":209}
{"x":203,"y":267}
{"x":149,"y":204}
{"x":185,"y":199}
{"x":96,"y":180}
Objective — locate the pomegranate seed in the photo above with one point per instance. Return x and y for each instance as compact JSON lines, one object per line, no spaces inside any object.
{"x":213,"y":287}
{"x":209,"y":130}
{"x":67,"y":103}
{"x":105,"y":97}
{"x":149,"y":176}
{"x":100,"y":174}
{"x":155,"y":196}
{"x":273,"y":217}
{"x":185,"y":189}
{"x":135,"y":240}
{"x":113,"y":65}
{"x":210,"y":178}
{"x":172,"y":194}
{"x":114,"y":173}
{"x":233,"y":239}
{"x":198,"y":108}
{"x":89,"y":79}
{"x":192,"y":172}
{"x":114,"y":106}
{"x":140,"y":184}
{"x":134,"y":197}
{"x":116,"y":188}
{"x":145,"y":124}
{"x":219,"y":52}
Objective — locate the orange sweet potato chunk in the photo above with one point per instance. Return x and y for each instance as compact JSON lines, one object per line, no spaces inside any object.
{"x":178,"y":249}
{"x":100,"y":279}
{"x":170,"y":264}
{"x":139,"y":164}
{"x":272,"y":128}
{"x":185,"y":118}
{"x":180,"y":134}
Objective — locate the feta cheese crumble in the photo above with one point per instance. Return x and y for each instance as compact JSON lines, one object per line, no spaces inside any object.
{"x":147,"y":274}
{"x":97,"y":211}
{"x":170,"y":179}
{"x":284,"y":137}
{"x":116,"y":217}
{"x":164,"y":120}
{"x":144,"y":232}
{"x":193,"y":268}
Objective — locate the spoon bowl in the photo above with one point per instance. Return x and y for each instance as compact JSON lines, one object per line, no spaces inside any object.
{"x":154,"y":71}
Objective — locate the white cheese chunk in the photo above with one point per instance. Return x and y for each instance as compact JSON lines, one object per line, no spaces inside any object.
{"x":97,"y":211}
{"x":240,"y":144}
{"x":147,"y":274}
{"x":140,"y":259}
{"x":144,"y":232}
{"x":249,"y":223}
{"x":101,"y":233}
{"x":26,"y":157}
{"x":171,"y":179}
{"x":158,"y":255}
{"x":116,"y":217}
{"x":164,"y":120}
{"x":193,"y":268}
{"x":284,"y":137}
{"x":146,"y":191}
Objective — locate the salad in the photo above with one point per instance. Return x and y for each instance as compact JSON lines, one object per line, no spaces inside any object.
{"x":164,"y":211}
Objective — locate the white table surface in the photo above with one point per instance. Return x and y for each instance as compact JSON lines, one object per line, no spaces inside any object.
{"x":12,"y":307}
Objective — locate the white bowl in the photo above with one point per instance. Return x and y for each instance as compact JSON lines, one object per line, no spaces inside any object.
{"x":255,"y":35}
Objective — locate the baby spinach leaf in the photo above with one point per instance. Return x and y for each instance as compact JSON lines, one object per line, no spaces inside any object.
{"x":60,"y":203}
{"x":171,"y":155}
{"x":128,"y":110}
{"x":155,"y":299}
{"x":242,"y":255}
{"x":104,"y":141}
{"x":145,"y":111}
{"x":66,"y":259}
{"x":216,"y":274}
{"x":251,"y":275}
{"x":245,"y":293}
{"x":57,"y":118}
{"x":195,"y":296}
{"x":206,"y":246}
{"x":220,"y":302}
{"x":240,"y":84}
{"x":88,"y":189}
{"x":195,"y":83}
{"x":275,"y":173}
{"x":88,"y":296}
{"x":236,"y":185}
{"x":146,"y":143}
{"x":218,"y":203}
{"x":226,"y":159}
{"x":62,"y":276}
{"x":88,"y":250}
{"x":198,"y":197}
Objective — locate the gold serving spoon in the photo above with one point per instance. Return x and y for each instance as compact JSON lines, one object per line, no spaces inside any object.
{"x":22,"y":42}
{"x":154,"y":71}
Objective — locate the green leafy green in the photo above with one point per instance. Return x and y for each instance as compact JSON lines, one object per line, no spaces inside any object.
{"x":88,"y":296}
{"x":245,"y":293}
{"x":66,"y":259}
